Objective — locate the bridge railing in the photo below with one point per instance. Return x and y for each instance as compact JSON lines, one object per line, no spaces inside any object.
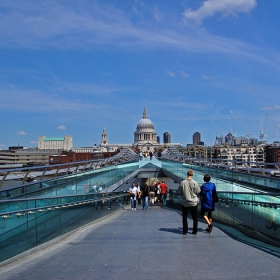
{"x":225,"y":179}
{"x":250,"y":167}
{"x":25,"y":175}
{"x":255,"y":214}
{"x":88,"y":181}
{"x":27,"y":223}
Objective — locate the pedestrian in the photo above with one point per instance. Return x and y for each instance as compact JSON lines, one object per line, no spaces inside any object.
{"x":151,"y":155}
{"x":145,"y":155}
{"x":87,"y":187}
{"x":145,"y":197}
{"x":208,"y":196}
{"x":189,"y":189}
{"x":99,"y":202}
{"x":133,"y":195}
{"x":140,"y":155}
{"x":152,"y":195}
{"x":139,"y":190}
{"x":158,"y":192}
{"x":163,"y":192}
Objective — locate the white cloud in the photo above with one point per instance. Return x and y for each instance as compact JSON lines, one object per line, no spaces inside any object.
{"x":250,"y":89}
{"x":33,"y":142}
{"x":184,"y":74}
{"x":204,"y":77}
{"x":21,"y":133}
{"x":61,"y":127}
{"x":90,"y":26}
{"x":223,"y":7}
{"x":157,"y":14}
{"x":271,"y":108}
{"x":278,"y":125}
{"x":171,"y":74}
{"x":48,"y":101}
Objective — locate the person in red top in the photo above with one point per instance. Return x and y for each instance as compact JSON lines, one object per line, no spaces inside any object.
{"x":163,"y":191}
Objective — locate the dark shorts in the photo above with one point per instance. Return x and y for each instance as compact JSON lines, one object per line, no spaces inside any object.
{"x":204,"y":211}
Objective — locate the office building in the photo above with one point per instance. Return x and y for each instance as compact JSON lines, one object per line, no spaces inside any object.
{"x":196,"y":138}
{"x":166,"y":137}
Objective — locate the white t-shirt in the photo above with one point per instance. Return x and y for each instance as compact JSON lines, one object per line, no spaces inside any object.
{"x":133,"y":190}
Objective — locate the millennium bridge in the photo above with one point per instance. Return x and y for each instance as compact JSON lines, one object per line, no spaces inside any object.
{"x":70,"y":221}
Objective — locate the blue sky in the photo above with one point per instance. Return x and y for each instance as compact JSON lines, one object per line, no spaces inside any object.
{"x":73,"y":67}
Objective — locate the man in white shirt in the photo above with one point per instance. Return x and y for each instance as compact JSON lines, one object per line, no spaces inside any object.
{"x":133,"y":191}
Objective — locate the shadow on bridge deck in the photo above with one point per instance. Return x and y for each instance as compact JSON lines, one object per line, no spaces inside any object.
{"x":145,"y":245}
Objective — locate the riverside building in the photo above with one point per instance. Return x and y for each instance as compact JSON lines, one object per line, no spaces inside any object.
{"x":59,"y":143}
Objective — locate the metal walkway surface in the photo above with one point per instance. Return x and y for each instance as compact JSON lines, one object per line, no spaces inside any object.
{"x":145,"y":245}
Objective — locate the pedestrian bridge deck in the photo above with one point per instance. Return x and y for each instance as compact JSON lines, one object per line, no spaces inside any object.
{"x":148,"y":245}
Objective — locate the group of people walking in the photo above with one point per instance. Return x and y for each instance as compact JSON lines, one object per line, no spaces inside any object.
{"x":191,"y":192}
{"x":146,"y":154}
{"x":148,"y":195}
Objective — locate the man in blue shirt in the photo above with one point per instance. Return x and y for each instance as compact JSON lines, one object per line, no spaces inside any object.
{"x":207,"y":195}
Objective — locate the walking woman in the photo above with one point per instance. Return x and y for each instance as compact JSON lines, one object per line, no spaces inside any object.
{"x":145,"y":197}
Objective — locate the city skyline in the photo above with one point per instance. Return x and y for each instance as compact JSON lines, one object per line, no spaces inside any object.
{"x":72,"y":68}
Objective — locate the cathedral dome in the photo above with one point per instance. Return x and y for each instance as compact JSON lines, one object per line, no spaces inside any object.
{"x":145,"y":132}
{"x":145,"y":123}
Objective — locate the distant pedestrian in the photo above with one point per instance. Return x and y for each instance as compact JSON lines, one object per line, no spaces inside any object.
{"x":133,"y":195}
{"x":140,"y":155}
{"x":87,"y":187}
{"x":139,"y":193}
{"x":151,"y":155}
{"x":99,"y":202}
{"x":152,"y":195}
{"x":145,"y":197}
{"x":163,"y":192}
{"x":145,"y":155}
{"x":189,"y":190}
{"x":208,"y":197}
{"x":158,"y":192}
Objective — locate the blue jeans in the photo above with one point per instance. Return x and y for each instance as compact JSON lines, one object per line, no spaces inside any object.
{"x":133,"y":202}
{"x":145,"y":201}
{"x":163,"y":199}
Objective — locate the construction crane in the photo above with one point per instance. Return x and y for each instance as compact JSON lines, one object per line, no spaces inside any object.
{"x":230,"y":127}
{"x":219,"y":127}
{"x":263,"y":124}
{"x":249,"y":133}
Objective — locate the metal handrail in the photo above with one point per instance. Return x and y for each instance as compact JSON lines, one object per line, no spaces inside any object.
{"x":5,"y":215}
{"x":125,"y":156}
{"x":272,"y":169}
{"x":229,"y":200}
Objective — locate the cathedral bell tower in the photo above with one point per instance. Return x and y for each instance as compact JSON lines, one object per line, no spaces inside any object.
{"x":104,"y":138}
